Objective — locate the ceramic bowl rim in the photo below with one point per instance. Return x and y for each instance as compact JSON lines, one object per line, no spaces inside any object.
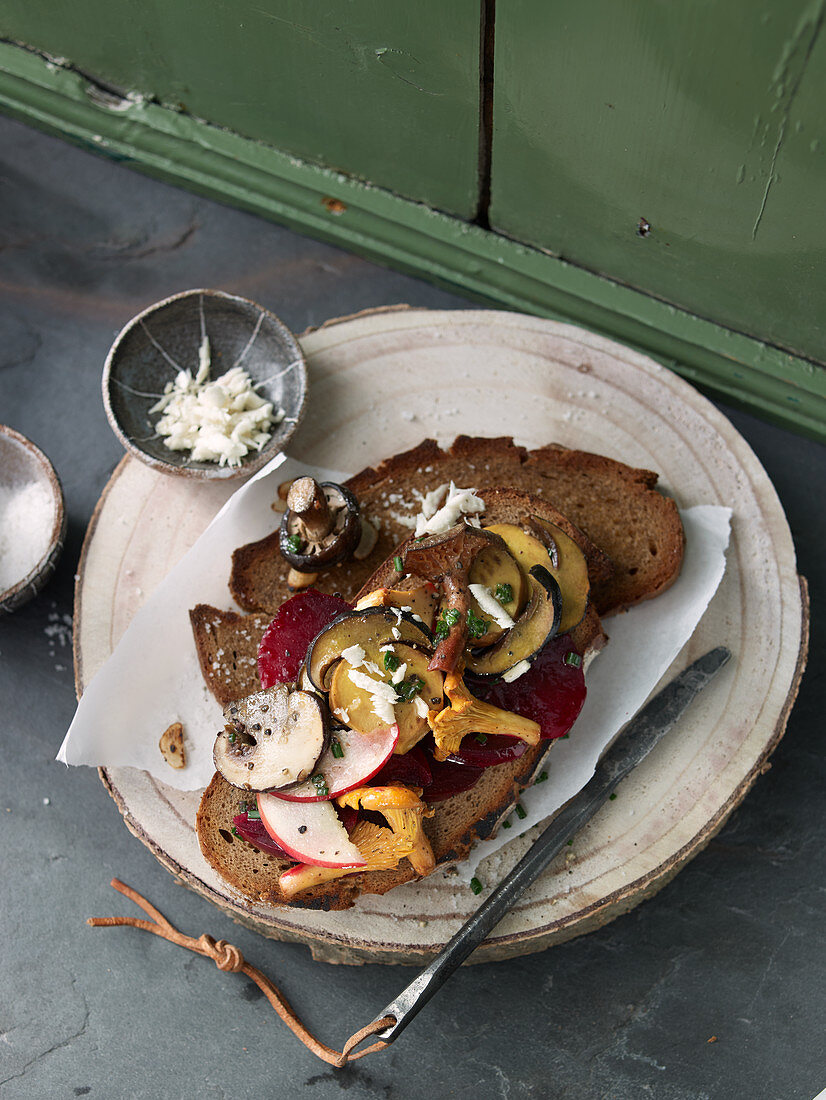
{"x":10,"y":598}
{"x":252,"y":462}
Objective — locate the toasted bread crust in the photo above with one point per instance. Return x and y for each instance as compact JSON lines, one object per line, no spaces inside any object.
{"x":616,"y":506}
{"x":522,"y":483}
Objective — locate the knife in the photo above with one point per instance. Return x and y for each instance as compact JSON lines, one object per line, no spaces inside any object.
{"x":631,"y":746}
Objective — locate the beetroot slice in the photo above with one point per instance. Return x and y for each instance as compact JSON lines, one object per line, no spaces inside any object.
{"x":496,"y":749}
{"x":551,"y":692}
{"x":449,"y":779}
{"x":253,"y":831}
{"x":412,"y":768}
{"x":287,"y":638}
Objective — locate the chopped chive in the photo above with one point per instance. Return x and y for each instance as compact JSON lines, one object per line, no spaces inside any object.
{"x":612,"y":796}
{"x":407,"y":689}
{"x":253,"y":815}
{"x":398,"y":564}
{"x":573,"y":659}
{"x":336,"y":749}
{"x":521,"y":812}
{"x":236,"y":833}
{"x":503,"y":593}
{"x":391,"y":661}
{"x":570,"y":842}
{"x":481,"y":738}
{"x":320,"y":784}
{"x":231,"y":736}
{"x":294,"y":543}
{"x":541,"y":777}
{"x":446,"y":620}
{"x":564,"y":737}
{"x":476,"y":886}
{"x":506,"y":824}
{"x":476,"y":626}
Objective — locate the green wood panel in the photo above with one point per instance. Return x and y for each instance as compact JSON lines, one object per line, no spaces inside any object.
{"x":384,"y":90}
{"x":412,"y":237}
{"x":705,"y":119}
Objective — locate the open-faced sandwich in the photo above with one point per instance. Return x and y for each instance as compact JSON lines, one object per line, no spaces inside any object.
{"x":416,"y":639}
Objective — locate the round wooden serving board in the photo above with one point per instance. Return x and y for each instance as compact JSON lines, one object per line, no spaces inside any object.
{"x":379,"y":383}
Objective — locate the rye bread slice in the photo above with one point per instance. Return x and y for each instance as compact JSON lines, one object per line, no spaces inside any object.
{"x":459,"y":821}
{"x":227,"y":646}
{"x":227,"y":643}
{"x":616,"y":506}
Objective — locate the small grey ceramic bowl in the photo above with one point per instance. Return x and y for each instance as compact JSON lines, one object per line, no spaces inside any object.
{"x":165,"y":339}
{"x":32,"y":519}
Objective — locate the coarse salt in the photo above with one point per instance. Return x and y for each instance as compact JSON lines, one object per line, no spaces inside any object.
{"x":27,"y":516}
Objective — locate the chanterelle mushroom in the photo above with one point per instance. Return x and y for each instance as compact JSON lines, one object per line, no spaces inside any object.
{"x":467,"y":714}
{"x":321,"y":526}
{"x":272,"y":739}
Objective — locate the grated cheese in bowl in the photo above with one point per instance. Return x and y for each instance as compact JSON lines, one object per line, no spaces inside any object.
{"x":217,"y":421}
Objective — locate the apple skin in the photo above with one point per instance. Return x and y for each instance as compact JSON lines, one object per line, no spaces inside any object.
{"x":324,"y":841}
{"x":365,"y":754}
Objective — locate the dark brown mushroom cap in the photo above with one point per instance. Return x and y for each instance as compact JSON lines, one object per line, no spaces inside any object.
{"x":328,"y":527}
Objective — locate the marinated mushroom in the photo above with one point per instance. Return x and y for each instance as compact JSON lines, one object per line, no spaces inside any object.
{"x":446,"y":560}
{"x":321,"y":526}
{"x":467,"y":714}
{"x":531,"y":632}
{"x":272,"y":738}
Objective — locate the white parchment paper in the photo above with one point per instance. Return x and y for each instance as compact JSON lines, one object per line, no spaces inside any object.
{"x":153,"y":678}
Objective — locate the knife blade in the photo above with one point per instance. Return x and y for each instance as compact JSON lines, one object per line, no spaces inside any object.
{"x":630,"y":747}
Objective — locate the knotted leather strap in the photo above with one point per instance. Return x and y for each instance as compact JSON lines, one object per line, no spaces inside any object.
{"x":227,"y":957}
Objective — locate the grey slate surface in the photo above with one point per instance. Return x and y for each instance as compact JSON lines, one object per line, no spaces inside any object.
{"x":733,"y":948}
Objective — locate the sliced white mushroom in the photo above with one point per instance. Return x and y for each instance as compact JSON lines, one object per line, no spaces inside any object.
{"x":272,"y":738}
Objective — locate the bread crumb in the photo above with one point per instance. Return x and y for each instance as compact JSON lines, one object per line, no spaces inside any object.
{"x":171,"y":745}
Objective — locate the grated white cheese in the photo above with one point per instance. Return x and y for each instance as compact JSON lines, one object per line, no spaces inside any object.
{"x":383,"y":695}
{"x":394,"y":630}
{"x":218,"y":421}
{"x":420,"y":705}
{"x":490,"y":605}
{"x":354,"y":655}
{"x":398,"y":675}
{"x":435,"y":520}
{"x":516,"y":671}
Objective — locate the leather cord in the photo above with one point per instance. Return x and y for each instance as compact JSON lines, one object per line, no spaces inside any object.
{"x":227,"y":957}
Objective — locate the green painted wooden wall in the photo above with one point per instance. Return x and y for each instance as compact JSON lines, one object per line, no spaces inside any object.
{"x":704,"y":120}
{"x":655,"y":171}
{"x":383,"y":90}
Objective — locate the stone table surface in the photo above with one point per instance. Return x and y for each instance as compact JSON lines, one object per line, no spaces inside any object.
{"x":713,"y":989}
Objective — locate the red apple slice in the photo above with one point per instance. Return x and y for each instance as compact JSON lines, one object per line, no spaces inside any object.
{"x":309,"y":832}
{"x":362,"y":755}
